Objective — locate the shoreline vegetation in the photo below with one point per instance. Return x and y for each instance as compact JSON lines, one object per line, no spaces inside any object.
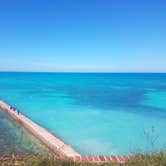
{"x":150,"y":159}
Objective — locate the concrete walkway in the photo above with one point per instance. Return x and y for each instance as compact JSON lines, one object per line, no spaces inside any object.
{"x":53,"y":142}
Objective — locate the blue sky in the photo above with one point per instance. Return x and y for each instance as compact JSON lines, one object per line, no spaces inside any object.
{"x":83,"y":35}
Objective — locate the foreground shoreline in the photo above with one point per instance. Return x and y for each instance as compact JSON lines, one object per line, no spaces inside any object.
{"x":135,"y":160}
{"x":53,"y":142}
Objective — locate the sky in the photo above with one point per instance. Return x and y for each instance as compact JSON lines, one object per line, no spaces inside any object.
{"x":83,"y":35}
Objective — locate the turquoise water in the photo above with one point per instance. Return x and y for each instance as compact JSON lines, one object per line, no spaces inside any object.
{"x":95,"y":113}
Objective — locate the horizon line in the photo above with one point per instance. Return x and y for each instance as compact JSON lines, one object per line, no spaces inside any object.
{"x":148,"y":72}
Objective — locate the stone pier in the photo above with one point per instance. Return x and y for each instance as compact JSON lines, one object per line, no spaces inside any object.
{"x":53,"y":142}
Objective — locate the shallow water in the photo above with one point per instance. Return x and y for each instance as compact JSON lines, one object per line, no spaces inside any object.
{"x":14,"y":139}
{"x":95,"y":113}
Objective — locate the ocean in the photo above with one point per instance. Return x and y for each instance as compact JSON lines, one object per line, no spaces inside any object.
{"x":96,"y":113}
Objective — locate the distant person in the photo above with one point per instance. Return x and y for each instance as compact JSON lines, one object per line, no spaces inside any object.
{"x":14,"y":109}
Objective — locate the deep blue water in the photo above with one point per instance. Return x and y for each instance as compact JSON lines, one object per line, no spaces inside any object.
{"x":97,"y":113}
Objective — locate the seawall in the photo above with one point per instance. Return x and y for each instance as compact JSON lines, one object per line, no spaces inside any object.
{"x":53,"y":142}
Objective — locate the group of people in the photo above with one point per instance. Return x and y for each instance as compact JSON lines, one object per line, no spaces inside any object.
{"x":15,"y":110}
